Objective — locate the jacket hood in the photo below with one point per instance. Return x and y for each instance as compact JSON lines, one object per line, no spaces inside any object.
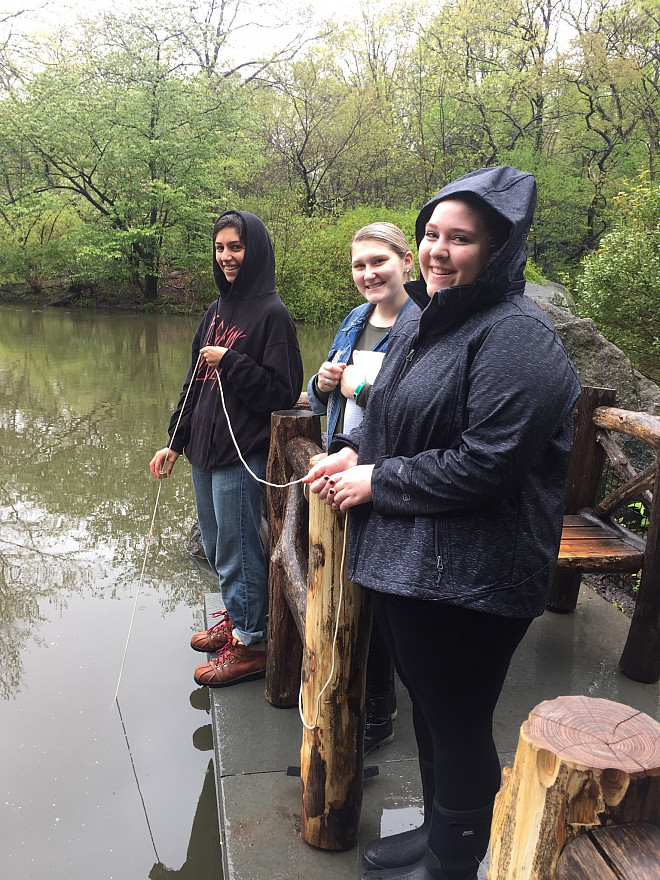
{"x":512,"y":194}
{"x":256,"y":276}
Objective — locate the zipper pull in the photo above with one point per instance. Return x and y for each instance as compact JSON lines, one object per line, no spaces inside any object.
{"x":438,"y":563}
{"x":410,"y":355}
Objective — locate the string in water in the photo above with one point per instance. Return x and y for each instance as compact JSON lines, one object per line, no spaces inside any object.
{"x":149,"y":536}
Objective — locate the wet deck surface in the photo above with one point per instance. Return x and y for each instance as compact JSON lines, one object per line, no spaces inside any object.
{"x":254,"y":743}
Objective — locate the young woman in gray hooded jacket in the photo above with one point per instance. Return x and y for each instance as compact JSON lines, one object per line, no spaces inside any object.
{"x":455,"y":483}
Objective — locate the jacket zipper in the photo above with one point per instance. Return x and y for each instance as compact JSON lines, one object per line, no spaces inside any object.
{"x":402,"y":369}
{"x":439,"y":564}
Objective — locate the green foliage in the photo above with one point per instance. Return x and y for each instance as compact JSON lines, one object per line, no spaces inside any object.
{"x":122,"y":139}
{"x":533,"y":273}
{"x":313,"y":260}
{"x":622,"y":278}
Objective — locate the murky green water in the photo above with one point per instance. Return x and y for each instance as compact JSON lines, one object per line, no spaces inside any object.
{"x":84,"y":791}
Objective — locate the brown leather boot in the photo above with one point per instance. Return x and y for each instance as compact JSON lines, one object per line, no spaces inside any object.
{"x":233,"y":664}
{"x":211,"y":640}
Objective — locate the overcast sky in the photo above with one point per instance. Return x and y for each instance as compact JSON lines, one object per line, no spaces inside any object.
{"x":51,"y":13}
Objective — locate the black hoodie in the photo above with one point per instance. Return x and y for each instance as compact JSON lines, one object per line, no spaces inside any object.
{"x":469,"y":425}
{"x":261,"y":372}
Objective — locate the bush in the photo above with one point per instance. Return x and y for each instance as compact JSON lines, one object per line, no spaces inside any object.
{"x":312,"y":256}
{"x":619,"y":284}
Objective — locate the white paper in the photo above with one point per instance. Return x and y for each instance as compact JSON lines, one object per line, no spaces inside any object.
{"x":368,"y":363}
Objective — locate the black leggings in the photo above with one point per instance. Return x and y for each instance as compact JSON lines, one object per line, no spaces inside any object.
{"x":453,"y":661}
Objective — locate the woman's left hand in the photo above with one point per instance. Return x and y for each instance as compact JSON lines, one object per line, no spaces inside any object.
{"x":212,"y":355}
{"x":350,"y":487}
{"x":350,"y":379}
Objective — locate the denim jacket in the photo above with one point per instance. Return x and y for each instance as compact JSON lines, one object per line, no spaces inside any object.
{"x":344,"y":342}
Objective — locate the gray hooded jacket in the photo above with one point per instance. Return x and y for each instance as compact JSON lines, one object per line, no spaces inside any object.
{"x":469,"y":425}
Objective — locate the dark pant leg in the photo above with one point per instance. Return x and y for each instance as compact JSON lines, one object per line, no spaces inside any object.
{"x":380,"y":666}
{"x":454,"y":662}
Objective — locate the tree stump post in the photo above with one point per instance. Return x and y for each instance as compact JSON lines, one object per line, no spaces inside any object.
{"x":331,"y":756}
{"x":581,"y":762}
{"x":284,"y":656}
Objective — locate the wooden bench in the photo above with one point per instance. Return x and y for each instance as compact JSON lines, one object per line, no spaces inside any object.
{"x":592,"y":541}
{"x":618,"y":852}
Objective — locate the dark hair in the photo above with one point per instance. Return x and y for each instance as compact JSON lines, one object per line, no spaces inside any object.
{"x":230,"y":220}
{"x":499,"y":228}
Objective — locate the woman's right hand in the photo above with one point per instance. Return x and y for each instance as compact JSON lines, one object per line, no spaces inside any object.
{"x":329,"y":376}
{"x":162,"y":463}
{"x":320,"y":475}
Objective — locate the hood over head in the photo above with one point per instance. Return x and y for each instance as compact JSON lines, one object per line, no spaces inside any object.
{"x":512,"y":195}
{"x":256,"y":276}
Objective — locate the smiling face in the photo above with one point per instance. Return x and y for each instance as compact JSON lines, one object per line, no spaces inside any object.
{"x":378,"y":271}
{"x":455,"y":246}
{"x":229,"y":252}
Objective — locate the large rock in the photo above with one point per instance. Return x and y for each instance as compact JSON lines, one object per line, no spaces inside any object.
{"x":598,"y":361}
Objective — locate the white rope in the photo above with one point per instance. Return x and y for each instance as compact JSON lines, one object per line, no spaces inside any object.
{"x":160,"y":485}
{"x":238,"y":451}
{"x":149,"y":536}
{"x":334,"y":640}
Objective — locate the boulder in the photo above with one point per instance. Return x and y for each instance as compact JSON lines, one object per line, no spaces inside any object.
{"x":598,"y":361}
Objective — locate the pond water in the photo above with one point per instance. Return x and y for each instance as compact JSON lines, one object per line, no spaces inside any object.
{"x":90,"y":787}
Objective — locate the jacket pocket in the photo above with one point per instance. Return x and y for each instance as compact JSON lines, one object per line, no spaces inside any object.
{"x":483,"y":545}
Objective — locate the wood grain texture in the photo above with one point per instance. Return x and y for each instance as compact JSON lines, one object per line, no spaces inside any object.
{"x":581,"y":763}
{"x":623,"y":852}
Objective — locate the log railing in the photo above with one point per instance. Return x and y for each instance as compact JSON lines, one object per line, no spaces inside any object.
{"x":593,"y":542}
{"x":318,"y":635}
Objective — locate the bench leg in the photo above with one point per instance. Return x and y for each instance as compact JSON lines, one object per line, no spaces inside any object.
{"x":564,"y":592}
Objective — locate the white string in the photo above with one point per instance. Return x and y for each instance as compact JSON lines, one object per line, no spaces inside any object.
{"x":160,"y":485}
{"x":334,"y":641}
{"x":149,"y":536}
{"x":245,"y":464}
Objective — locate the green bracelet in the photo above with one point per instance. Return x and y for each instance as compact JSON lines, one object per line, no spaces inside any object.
{"x":359,"y":388}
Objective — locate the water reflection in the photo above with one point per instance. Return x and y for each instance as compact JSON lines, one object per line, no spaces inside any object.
{"x":84,"y":400}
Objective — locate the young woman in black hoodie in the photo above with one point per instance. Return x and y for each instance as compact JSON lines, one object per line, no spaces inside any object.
{"x":247,"y":338}
{"x":455,"y":481}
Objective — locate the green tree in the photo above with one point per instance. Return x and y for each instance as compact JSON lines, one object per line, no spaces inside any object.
{"x":619,"y":284}
{"x":140,"y":152}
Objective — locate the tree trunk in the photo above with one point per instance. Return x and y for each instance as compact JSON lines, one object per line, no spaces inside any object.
{"x":284,"y":657}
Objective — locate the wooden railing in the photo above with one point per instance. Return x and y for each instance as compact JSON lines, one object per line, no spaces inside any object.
{"x":592,"y":541}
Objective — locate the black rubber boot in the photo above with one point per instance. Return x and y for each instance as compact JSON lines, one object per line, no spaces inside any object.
{"x":459,"y":838}
{"x":458,"y":841}
{"x":407,"y":847}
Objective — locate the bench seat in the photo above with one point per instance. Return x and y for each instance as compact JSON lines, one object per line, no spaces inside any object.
{"x":615,"y":852}
{"x":589,"y":547}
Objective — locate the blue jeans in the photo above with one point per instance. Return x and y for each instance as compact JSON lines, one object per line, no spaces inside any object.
{"x":229,"y":504}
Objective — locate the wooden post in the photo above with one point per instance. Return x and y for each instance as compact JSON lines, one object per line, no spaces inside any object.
{"x":580,"y":763}
{"x":284,"y":656}
{"x":584,"y":474}
{"x":331,"y":756}
{"x":640,"y":659}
